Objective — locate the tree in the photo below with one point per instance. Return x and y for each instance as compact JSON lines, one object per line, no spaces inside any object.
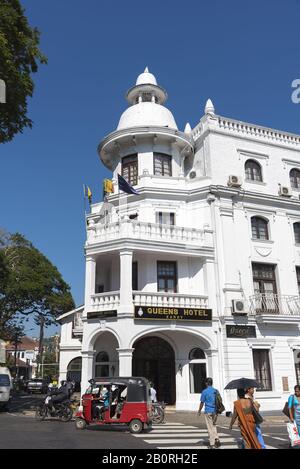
{"x":19,"y":58}
{"x":33,"y":287}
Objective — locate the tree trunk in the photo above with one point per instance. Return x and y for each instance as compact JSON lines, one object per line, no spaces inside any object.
{"x":41,"y":348}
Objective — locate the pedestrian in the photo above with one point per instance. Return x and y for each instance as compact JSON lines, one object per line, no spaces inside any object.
{"x":294,"y":407}
{"x":153,"y":392}
{"x":250,"y":395}
{"x":69,"y":387}
{"x":208,"y":397}
{"x":243,"y":411}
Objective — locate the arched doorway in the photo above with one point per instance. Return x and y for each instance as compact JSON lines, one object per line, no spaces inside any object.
{"x":74,"y":372}
{"x":154,"y":359}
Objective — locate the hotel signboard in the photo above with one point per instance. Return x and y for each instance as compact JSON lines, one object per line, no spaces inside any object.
{"x":102,"y":314}
{"x":173,"y":314}
{"x":240,"y":332}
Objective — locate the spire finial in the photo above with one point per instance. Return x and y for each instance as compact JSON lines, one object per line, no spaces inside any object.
{"x":187,"y":129}
{"x":146,"y":70}
{"x":209,"y":107}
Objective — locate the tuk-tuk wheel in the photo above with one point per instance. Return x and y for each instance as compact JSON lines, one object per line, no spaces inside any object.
{"x":80,"y":424}
{"x":135,"y":426}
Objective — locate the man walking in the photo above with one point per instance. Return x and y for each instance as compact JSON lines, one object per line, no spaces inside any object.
{"x":208,"y":397}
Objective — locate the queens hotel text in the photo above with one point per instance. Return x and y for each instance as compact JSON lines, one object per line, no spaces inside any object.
{"x":199,"y":274}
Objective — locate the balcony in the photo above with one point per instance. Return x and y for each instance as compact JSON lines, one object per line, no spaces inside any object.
{"x":180,"y":236}
{"x":171,"y":300}
{"x":273,"y":308}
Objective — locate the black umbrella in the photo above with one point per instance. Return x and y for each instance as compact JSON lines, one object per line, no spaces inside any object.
{"x":242,"y":383}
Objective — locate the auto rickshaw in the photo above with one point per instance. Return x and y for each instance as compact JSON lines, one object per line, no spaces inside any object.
{"x":116,"y":400}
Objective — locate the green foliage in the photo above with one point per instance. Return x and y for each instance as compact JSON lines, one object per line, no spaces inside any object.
{"x":19,"y":58}
{"x":33,"y":287}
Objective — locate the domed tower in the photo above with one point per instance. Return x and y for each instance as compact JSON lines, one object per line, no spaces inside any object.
{"x":147,"y":142}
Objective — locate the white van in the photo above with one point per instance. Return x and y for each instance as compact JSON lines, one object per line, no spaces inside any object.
{"x":5,"y":387}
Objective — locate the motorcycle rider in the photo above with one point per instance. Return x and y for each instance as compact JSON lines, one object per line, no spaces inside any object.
{"x":58,"y":395}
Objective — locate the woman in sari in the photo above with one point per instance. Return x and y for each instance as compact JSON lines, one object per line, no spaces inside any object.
{"x":250,"y":395}
{"x":243,"y":412}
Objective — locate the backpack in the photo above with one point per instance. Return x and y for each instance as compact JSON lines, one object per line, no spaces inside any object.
{"x":218,"y":403}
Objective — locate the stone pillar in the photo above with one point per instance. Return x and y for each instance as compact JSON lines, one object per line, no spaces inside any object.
{"x":87,"y":371}
{"x":90,"y":279}
{"x":126,"y":301}
{"x":125,"y":361}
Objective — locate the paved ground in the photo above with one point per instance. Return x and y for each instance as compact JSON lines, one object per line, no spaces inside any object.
{"x":182,"y":430}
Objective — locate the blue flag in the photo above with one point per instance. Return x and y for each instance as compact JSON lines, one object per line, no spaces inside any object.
{"x":125,"y":186}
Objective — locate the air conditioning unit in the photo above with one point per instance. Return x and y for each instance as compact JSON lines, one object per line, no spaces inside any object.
{"x":285,"y":191}
{"x":234,"y":181}
{"x":239,"y":307}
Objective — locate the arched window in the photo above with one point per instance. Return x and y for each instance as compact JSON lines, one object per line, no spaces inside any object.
{"x":253,"y":171}
{"x":295,"y":178}
{"x":197,"y":354}
{"x":259,"y":228}
{"x":197,"y":365}
{"x":102,"y":365}
{"x":297,"y":232}
{"x":130,"y":169}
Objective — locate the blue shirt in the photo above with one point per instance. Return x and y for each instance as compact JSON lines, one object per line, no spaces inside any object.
{"x":208,"y":396}
{"x":294,"y":402}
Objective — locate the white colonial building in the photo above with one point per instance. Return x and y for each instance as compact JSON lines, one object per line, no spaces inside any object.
{"x":199,"y":275}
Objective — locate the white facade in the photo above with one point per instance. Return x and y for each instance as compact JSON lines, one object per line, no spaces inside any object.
{"x":218,"y":176}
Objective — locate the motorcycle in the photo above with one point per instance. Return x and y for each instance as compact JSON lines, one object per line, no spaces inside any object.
{"x":158,"y":412}
{"x":62,"y":410}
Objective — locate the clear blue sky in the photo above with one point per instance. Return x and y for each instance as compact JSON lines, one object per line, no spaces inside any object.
{"x":242,"y":55}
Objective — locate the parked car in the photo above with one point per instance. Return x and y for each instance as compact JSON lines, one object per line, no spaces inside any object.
{"x":37,"y":385}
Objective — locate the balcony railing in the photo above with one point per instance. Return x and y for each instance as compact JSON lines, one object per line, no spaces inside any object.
{"x":149,"y":232}
{"x":172,"y":300}
{"x":105,"y":301}
{"x":268,"y":303}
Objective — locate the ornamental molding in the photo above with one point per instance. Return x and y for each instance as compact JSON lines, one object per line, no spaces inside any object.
{"x":253,"y":154}
{"x":287,"y":162}
{"x":264,"y":252}
{"x":261,"y":343}
{"x":294,"y":344}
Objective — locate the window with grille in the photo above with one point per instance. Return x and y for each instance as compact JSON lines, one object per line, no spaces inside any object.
{"x":297,"y":232}
{"x":259,"y":228}
{"x":262,"y":370}
{"x":162,"y":164}
{"x":253,"y":171}
{"x":130,"y":169}
{"x":165,"y":218}
{"x":166,"y":276}
{"x":295,"y":178}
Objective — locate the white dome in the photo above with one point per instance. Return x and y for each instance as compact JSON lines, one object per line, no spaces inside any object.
{"x":147,"y":114}
{"x":146,"y":78}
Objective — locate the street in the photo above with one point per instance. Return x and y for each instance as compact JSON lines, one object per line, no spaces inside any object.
{"x":182,"y":430}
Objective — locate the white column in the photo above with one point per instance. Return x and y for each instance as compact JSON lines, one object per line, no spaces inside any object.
{"x":90,"y":279}
{"x":126,"y":303}
{"x":213,"y":369}
{"x":210,"y":285}
{"x":87,"y":371}
{"x":125,"y":361}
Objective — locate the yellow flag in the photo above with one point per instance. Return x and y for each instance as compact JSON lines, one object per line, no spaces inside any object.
{"x":108,"y":186}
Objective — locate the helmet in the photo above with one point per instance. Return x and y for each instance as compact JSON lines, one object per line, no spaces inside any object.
{"x":63,"y":382}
